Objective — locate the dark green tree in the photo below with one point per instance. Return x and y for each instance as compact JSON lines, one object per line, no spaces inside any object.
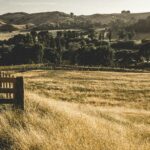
{"x":34,"y":35}
{"x":50,"y":56}
{"x":38,"y":53}
{"x":145,"y":51}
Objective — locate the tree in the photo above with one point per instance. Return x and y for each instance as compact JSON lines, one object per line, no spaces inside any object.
{"x":5,"y":55}
{"x":74,"y":46}
{"x":21,"y":54}
{"x":92,"y":33}
{"x":102,"y":55}
{"x":71,"y":14}
{"x":124,"y":45}
{"x":122,"y":34}
{"x":38,"y":53}
{"x":105,"y":55}
{"x":59,"y":46}
{"x":34,"y":35}
{"x":44,"y":38}
{"x":145,"y":51}
{"x":52,"y":42}
{"x":28,"y":39}
{"x":109,"y":35}
{"x":125,"y":58}
{"x":17,"y":39}
{"x":130,"y":34}
{"x":50,"y":55}
{"x":101,"y":36}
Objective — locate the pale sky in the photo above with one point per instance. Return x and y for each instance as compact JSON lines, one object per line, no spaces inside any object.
{"x":79,"y":7}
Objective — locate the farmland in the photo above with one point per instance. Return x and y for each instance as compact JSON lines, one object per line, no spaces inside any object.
{"x":80,"y":110}
{"x":7,"y":35}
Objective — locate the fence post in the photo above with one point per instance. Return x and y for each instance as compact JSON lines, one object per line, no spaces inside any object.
{"x":0,"y":81}
{"x":19,"y":93}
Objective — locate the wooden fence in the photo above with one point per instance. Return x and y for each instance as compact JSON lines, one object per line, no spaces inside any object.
{"x":11,"y":90}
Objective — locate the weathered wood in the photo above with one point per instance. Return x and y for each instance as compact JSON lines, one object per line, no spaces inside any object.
{"x":12,"y":90}
{"x":9,"y":80}
{"x":6,"y":101}
{"x":7,"y":90}
{"x":8,"y":86}
{"x":0,"y":80}
{"x":19,"y":93}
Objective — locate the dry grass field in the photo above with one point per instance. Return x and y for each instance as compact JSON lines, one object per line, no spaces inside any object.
{"x":77,"y":110}
{"x":8,"y":35}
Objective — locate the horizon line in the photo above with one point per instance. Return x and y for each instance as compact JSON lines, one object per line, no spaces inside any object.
{"x":139,"y":12}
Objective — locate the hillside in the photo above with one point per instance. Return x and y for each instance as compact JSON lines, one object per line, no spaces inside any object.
{"x":68,"y":110}
{"x":2,"y":23}
{"x":11,"y":18}
{"x":107,"y":18}
{"x":59,"y":17}
{"x":9,"y":28}
{"x":36,"y":18}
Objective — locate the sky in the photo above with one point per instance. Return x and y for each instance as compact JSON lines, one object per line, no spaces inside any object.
{"x":79,"y":7}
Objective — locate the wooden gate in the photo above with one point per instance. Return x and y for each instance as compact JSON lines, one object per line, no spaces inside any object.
{"x":11,"y":90}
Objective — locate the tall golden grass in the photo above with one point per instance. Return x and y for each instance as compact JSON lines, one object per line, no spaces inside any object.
{"x":75,"y":110}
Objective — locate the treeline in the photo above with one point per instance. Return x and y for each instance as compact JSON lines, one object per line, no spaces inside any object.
{"x":69,"y":24}
{"x":72,"y":47}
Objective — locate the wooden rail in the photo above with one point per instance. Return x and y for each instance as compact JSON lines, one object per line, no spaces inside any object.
{"x":11,"y":90}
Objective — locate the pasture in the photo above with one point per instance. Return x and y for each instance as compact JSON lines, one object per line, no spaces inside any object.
{"x":8,"y":35}
{"x":75,"y":110}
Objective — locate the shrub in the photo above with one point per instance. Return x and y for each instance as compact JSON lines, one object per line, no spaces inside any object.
{"x":145,"y":51}
{"x":102,"y":55}
{"x":126,"y":57}
{"x":123,"y":45}
{"x":50,"y":55}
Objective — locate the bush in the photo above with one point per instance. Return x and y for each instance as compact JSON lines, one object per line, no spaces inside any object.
{"x":24,"y":54}
{"x":100,"y":43}
{"x":124,"y":45}
{"x":102,"y":55}
{"x":70,"y":56}
{"x":145,"y":51}
{"x":145,"y":41}
{"x":126,"y":58}
{"x":143,"y":66}
{"x":50,"y":55}
{"x":5,"y":55}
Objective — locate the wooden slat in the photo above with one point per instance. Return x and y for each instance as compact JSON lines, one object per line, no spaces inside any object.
{"x":6,"y":90}
{"x":6,"y":101}
{"x":11,"y":80}
{"x":7,"y":86}
{"x":12,"y":90}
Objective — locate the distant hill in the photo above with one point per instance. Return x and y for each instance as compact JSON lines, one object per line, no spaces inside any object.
{"x":59,"y":18}
{"x":36,"y":18}
{"x":8,"y":28}
{"x":12,"y":18}
{"x":53,"y":17}
{"x":2,"y":22}
{"x":107,"y":18}
{"x":141,"y":26}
